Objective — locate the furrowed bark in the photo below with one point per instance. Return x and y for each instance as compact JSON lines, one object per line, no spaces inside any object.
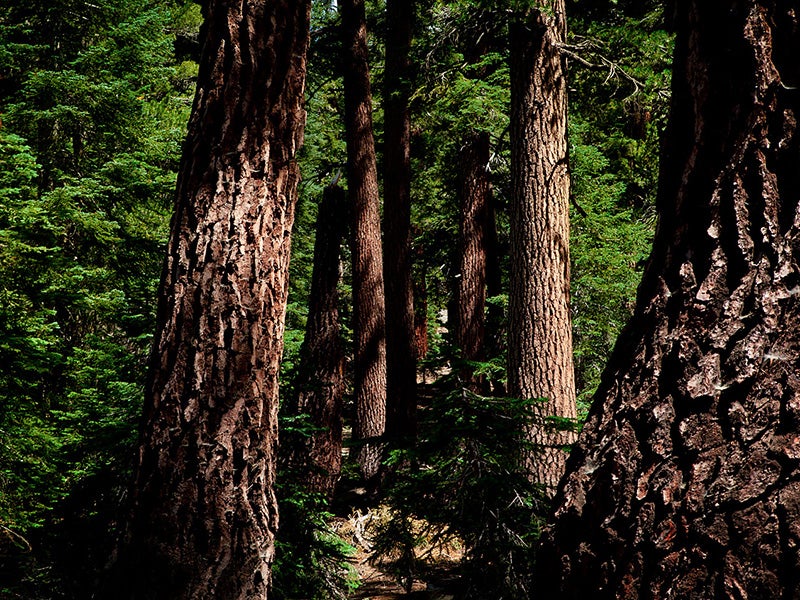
{"x":401,"y":353}
{"x":685,"y":483}
{"x":369,"y":306}
{"x":540,"y":329}
{"x":474,"y":192}
{"x":204,"y":513}
{"x":421,"y":303}
{"x":316,"y":459}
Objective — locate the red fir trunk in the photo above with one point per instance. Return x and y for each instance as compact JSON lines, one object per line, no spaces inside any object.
{"x":421,"y":304}
{"x":474,"y":193}
{"x":204,"y":512}
{"x":369,"y":323}
{"x":316,"y":459}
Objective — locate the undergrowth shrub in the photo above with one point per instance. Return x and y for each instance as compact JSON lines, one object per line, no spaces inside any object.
{"x":311,"y":560}
{"x":465,"y":480}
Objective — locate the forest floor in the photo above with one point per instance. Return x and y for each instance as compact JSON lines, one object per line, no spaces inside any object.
{"x":438,"y":563}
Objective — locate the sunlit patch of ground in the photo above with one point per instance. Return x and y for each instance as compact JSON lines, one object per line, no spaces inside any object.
{"x":436,"y":559}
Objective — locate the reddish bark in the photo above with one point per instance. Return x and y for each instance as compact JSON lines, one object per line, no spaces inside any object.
{"x":474,"y":193}
{"x":369,"y":307}
{"x":421,"y":305}
{"x":204,"y":512}
{"x":315,"y":459}
{"x":401,"y":364}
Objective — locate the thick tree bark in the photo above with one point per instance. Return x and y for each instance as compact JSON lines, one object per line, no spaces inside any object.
{"x":685,"y":483}
{"x":540,"y":331}
{"x":478,"y":231}
{"x":474,"y":196}
{"x":204,"y":513}
{"x":315,"y":460}
{"x":401,"y":364}
{"x":369,"y":321}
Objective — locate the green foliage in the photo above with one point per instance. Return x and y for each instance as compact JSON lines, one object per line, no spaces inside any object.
{"x":617,"y":108}
{"x":632,"y":75}
{"x":310,"y":558}
{"x":617,"y":111}
{"x":609,"y":244}
{"x":94,"y":112}
{"x":462,"y":88}
{"x":322,"y":161}
{"x":396,"y":546}
{"x":94,"y":99}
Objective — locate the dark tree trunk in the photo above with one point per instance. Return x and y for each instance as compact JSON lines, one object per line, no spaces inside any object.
{"x":474,"y":196}
{"x":421,"y":303}
{"x":479,"y":249}
{"x":540,"y":330}
{"x":401,"y":364}
{"x":368,"y":294}
{"x":204,"y":513}
{"x":495,"y":338}
{"x":685,"y":483}
{"x":421,"y":319}
{"x":315,"y":460}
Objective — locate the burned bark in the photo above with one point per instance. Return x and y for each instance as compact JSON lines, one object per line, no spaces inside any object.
{"x":204,"y":513}
{"x":369,"y":306}
{"x":401,"y":364}
{"x":685,"y":482}
{"x":540,"y":329}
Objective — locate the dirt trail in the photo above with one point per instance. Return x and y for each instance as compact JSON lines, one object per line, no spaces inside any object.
{"x":378,"y":584}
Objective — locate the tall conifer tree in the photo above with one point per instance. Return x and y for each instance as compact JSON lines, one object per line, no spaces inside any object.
{"x":401,"y":352}
{"x":315,"y":458}
{"x":540,"y":326}
{"x":474,"y":197}
{"x":369,"y":305}
{"x":204,"y":512}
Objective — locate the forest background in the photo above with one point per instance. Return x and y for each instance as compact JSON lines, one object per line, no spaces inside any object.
{"x":94,"y":101}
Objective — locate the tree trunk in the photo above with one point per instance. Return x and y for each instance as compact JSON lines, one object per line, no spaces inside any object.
{"x":474,"y":192}
{"x":401,"y":364}
{"x":421,"y":303}
{"x":540,"y":332}
{"x":685,"y":482}
{"x":368,"y":294}
{"x":421,"y":319}
{"x":204,"y":513}
{"x":495,"y":338}
{"x":316,"y":459}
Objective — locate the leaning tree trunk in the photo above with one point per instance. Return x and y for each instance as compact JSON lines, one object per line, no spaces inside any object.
{"x":315,"y":459}
{"x":685,"y":483}
{"x":204,"y":513}
{"x":540,"y":330}
{"x":474,"y":195}
{"x":401,"y":353}
{"x":368,"y":294}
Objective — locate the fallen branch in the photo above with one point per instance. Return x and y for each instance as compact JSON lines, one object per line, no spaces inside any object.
{"x":16,"y":539}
